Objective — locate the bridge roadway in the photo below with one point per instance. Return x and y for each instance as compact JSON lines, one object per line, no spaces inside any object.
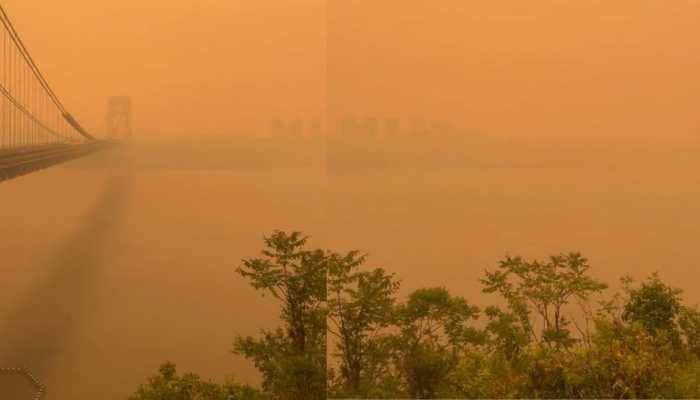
{"x":21,"y":161}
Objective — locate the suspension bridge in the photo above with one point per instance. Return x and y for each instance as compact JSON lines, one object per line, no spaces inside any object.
{"x":36,"y":129}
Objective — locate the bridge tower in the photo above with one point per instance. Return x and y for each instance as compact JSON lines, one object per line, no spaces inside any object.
{"x":119,"y":119}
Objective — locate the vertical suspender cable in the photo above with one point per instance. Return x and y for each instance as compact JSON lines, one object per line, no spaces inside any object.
{"x":68,"y":120}
{"x":3,"y":135}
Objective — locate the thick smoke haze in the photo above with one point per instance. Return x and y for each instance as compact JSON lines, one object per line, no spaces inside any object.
{"x":192,"y":67}
{"x":552,"y":68}
{"x":521,"y":69}
{"x":438,"y":136}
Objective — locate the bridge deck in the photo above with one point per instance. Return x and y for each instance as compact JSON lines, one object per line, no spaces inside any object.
{"x":21,"y":161}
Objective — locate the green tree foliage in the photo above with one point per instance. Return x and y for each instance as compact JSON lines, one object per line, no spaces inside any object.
{"x":168,"y":385}
{"x":686,"y":382}
{"x":360,"y":308}
{"x":689,"y":324}
{"x":292,"y":359}
{"x":508,"y":334}
{"x":624,"y":362}
{"x":654,"y":305}
{"x":435,"y":328}
{"x":634,"y":352}
{"x":545,"y":287}
{"x":643,"y":343}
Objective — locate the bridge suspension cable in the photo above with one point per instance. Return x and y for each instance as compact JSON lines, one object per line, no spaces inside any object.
{"x":31,"y":114}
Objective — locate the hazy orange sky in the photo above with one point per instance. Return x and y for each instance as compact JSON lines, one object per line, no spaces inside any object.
{"x":192,"y":67}
{"x":506,"y":67}
{"x":550,"y":67}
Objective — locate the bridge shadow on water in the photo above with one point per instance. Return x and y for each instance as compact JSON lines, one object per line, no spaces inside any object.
{"x":40,"y":325}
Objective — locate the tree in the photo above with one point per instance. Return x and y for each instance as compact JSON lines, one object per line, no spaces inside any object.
{"x":434,"y":331}
{"x":360,"y":306}
{"x":624,"y":362}
{"x":644,"y":343}
{"x":507,"y":333}
{"x":545,"y":287}
{"x":168,"y":385}
{"x":654,"y":305}
{"x":689,"y":323}
{"x":291,"y":359}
